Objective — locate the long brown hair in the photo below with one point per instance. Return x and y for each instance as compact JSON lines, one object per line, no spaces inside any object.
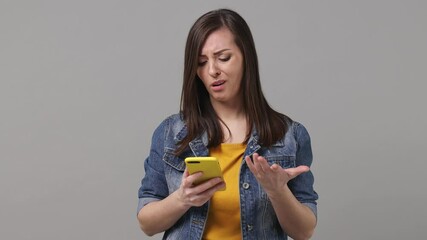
{"x":196,"y":107}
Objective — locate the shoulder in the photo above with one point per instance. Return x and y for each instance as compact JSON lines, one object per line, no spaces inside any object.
{"x":172,"y":120}
{"x":296,"y":129}
{"x":170,"y":126}
{"x":299,"y":132}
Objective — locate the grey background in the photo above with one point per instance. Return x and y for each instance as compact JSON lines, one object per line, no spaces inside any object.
{"x":83,"y":84}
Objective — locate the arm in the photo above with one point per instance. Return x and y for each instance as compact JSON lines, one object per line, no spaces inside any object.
{"x":290,"y":190}
{"x":159,"y":216}
{"x":157,"y":209}
{"x":296,"y":219}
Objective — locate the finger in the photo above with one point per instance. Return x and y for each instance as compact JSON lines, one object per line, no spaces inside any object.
{"x":256,"y":161}
{"x":254,"y":166}
{"x":203,"y":197}
{"x":218,"y":186}
{"x":210,"y":191}
{"x":275,"y":167}
{"x":250,"y":164}
{"x":195,"y":192}
{"x":184,"y":181}
{"x":294,"y":172}
{"x":263,"y":164}
{"x":211,"y":183}
{"x":190,"y":179}
{"x":186,"y":173}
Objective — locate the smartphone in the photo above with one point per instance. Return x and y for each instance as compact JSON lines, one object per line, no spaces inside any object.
{"x":208,"y":165}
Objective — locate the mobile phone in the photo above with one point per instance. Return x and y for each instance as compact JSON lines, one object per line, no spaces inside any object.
{"x":208,"y":165}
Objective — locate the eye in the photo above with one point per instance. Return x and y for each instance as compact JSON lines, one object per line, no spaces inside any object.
{"x":224,"y":58}
{"x":202,"y":61}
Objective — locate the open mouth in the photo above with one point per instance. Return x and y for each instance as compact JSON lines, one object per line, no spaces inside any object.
{"x":218,"y":83}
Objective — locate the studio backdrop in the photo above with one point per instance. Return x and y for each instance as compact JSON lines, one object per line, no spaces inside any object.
{"x":83,"y":85}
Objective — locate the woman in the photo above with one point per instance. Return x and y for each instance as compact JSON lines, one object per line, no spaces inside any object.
{"x":264,"y":155}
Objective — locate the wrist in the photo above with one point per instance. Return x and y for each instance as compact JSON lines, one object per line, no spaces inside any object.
{"x":280,"y":193}
{"x":179,"y":201}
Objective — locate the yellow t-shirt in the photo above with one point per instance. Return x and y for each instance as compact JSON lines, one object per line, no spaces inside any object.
{"x":224,"y":211}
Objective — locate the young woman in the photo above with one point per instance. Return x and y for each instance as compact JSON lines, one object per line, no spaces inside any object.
{"x":264,"y":155}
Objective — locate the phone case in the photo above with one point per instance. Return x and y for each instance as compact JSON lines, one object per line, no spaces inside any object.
{"x":208,"y":165}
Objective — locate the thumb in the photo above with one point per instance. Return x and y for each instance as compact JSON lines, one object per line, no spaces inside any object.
{"x":186,"y":173}
{"x":294,"y":172}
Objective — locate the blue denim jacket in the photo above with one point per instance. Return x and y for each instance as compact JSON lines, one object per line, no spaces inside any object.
{"x":163,"y":173}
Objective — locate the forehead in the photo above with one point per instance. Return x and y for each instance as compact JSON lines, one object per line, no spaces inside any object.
{"x":218,"y":40}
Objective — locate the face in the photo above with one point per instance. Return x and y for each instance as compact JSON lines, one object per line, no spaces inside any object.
{"x":221,"y":67}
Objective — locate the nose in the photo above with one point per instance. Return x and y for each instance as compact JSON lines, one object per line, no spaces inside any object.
{"x":213,"y":70}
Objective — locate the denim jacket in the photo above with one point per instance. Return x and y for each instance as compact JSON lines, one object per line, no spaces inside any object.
{"x":163,"y":173}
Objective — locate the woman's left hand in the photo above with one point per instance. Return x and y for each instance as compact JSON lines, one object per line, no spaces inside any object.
{"x":272,"y":178}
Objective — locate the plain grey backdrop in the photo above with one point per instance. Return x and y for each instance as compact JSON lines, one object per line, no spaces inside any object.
{"x":83,"y":84}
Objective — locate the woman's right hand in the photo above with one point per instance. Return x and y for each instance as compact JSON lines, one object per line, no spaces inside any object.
{"x":196,"y":195}
{"x":158,"y":216}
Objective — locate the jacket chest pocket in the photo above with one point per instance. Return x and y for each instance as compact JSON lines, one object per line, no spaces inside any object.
{"x":283,"y":161}
{"x":174,"y":168}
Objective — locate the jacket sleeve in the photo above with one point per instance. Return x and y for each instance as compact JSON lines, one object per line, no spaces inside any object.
{"x":302,"y":185}
{"x":153,"y":185}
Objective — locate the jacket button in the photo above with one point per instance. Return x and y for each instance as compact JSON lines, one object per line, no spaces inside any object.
{"x":245,"y":185}
{"x":250,"y":227}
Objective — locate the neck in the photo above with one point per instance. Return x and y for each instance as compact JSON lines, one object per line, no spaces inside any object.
{"x":229,"y":111}
{"x":234,"y":121}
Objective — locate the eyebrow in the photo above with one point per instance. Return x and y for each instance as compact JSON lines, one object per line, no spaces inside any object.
{"x":217,"y":52}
